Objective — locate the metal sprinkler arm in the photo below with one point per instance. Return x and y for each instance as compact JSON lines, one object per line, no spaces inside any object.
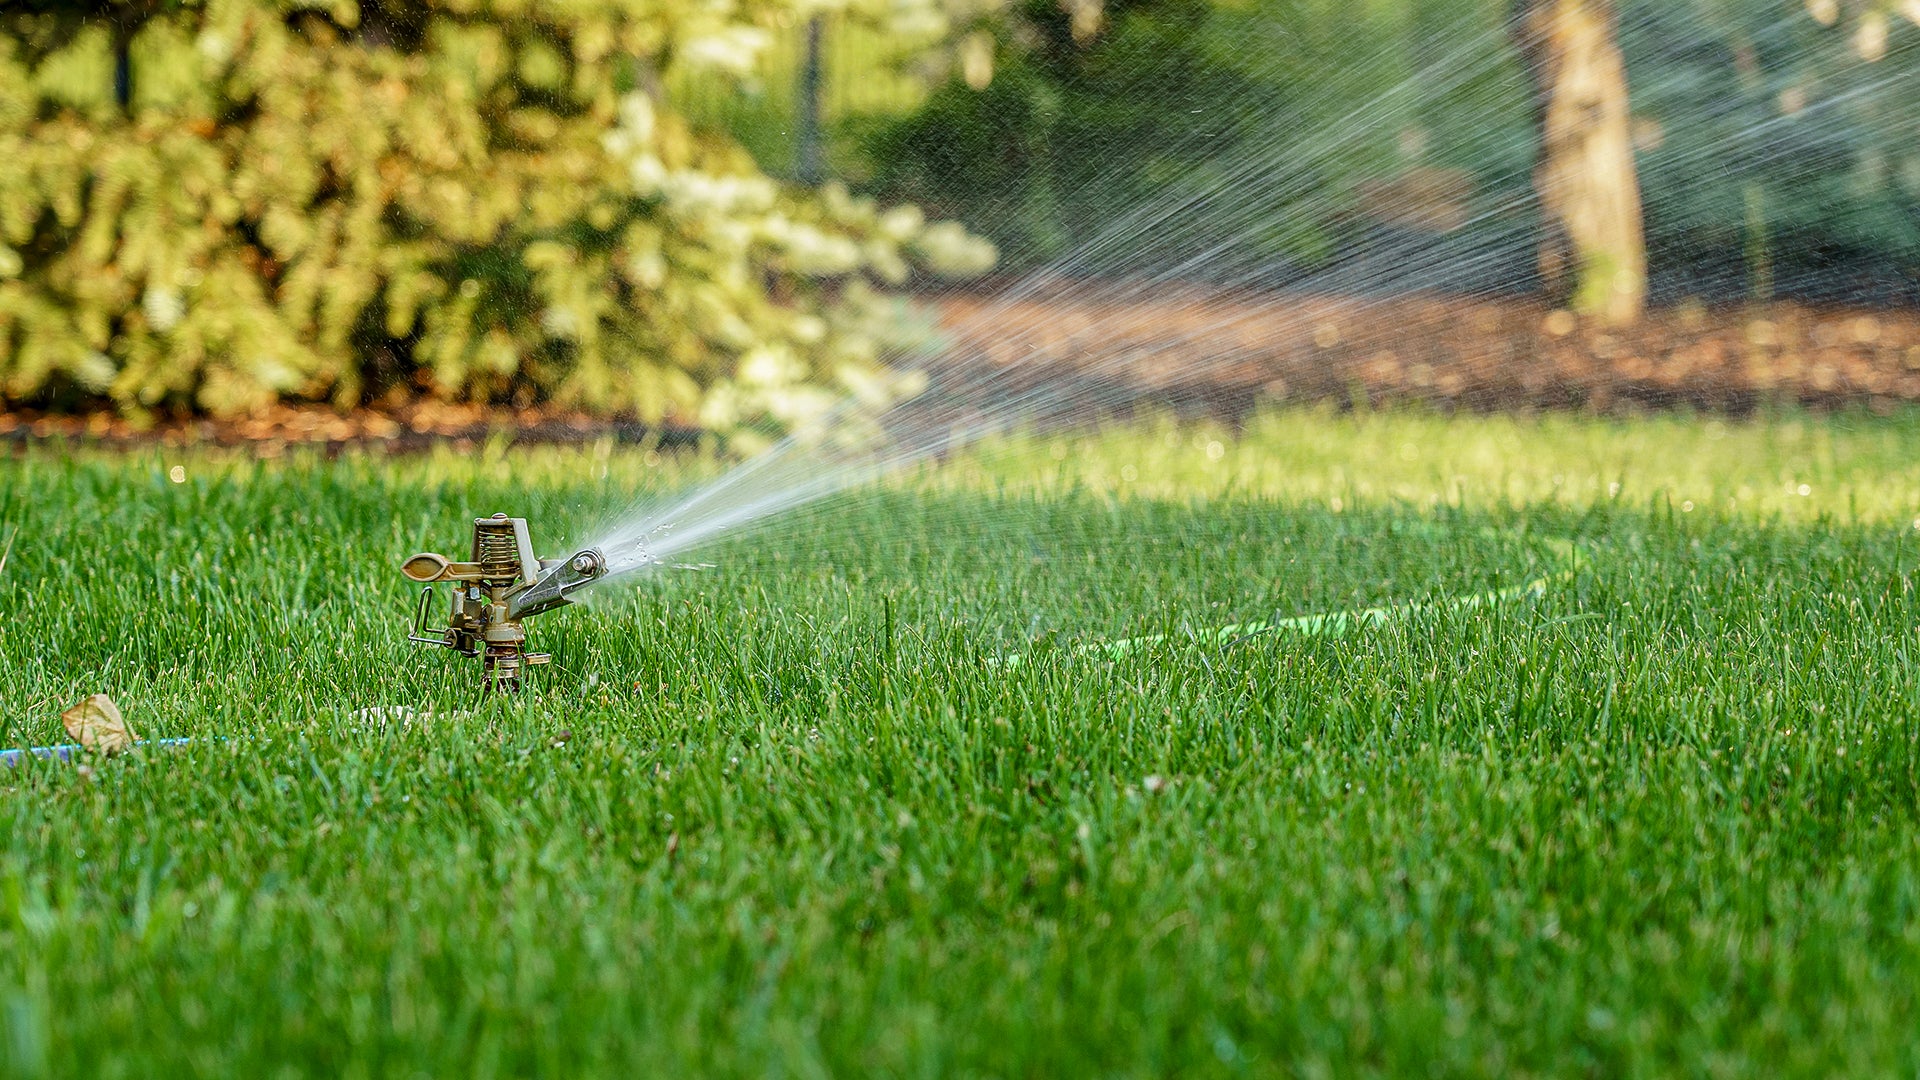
{"x":559,"y":577}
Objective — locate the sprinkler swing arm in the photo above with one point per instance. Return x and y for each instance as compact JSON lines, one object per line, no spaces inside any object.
{"x":493,"y":593}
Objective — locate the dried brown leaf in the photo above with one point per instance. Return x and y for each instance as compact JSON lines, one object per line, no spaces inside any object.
{"x":97,"y":724}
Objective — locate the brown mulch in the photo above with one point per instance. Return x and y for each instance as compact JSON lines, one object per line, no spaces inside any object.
{"x":272,"y":432}
{"x":1226,"y":354}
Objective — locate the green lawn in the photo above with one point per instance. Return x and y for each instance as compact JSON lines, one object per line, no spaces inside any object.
{"x":789,"y":816}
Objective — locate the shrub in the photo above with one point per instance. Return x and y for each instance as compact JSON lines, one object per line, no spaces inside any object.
{"x":211,"y":205}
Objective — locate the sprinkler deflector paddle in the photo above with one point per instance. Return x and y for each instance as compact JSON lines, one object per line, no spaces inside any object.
{"x":501,"y":586}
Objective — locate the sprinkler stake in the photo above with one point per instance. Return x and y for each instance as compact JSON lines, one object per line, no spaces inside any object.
{"x":493,"y":594}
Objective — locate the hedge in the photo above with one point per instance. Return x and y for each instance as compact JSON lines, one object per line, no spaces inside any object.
{"x":209,"y":206}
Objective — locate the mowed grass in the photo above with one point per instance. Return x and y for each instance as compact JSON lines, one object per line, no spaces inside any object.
{"x":789,"y":816}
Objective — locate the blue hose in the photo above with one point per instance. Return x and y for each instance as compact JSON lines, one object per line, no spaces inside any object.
{"x":68,"y":751}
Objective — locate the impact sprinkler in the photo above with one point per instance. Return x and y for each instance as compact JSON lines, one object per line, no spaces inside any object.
{"x":495,"y":593}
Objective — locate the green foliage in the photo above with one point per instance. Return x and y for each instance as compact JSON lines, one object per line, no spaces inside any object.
{"x":1057,"y":135}
{"x":867,"y":71}
{"x":216,"y":204}
{"x":1264,"y":123}
{"x":1803,"y":159}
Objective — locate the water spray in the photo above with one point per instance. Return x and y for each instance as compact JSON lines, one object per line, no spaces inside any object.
{"x":494,"y":593}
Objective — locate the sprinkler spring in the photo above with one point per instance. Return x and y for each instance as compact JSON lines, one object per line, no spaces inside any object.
{"x":494,"y":593}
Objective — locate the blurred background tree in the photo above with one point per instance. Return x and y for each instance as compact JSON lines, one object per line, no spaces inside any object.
{"x":214,"y":204}
{"x":1593,"y":258}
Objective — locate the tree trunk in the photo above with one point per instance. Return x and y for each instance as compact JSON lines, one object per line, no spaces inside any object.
{"x":808,"y":168}
{"x":1592,"y":255}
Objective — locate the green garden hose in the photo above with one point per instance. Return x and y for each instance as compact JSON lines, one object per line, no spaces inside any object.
{"x":1332,"y":623}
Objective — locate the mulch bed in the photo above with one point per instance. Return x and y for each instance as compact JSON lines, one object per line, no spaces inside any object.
{"x":410,"y":428}
{"x":1225,"y":354}
{"x":1085,"y":349}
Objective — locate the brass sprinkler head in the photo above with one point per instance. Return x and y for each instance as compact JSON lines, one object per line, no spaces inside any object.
{"x":494,"y":593}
